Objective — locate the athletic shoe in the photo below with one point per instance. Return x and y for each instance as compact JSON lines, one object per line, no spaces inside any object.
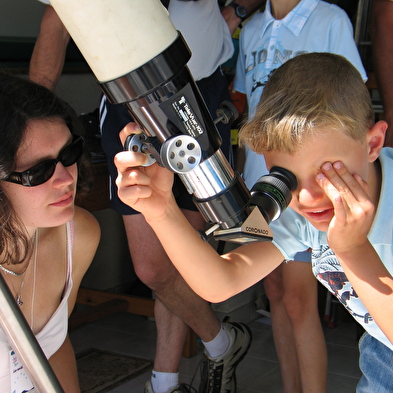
{"x":219,"y":374}
{"x":182,"y":388}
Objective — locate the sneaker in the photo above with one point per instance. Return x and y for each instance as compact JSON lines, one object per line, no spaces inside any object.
{"x":219,"y":374}
{"x":182,"y":388}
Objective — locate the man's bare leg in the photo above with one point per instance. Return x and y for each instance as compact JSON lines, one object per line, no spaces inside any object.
{"x":282,"y":333}
{"x":178,"y":306}
{"x":301,"y":304}
{"x":182,"y":305}
{"x":299,"y":334}
{"x":171,"y":334}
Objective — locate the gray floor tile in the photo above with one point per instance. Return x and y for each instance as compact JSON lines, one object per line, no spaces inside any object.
{"x":258,"y":372}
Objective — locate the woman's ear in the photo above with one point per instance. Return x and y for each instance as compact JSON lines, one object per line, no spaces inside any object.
{"x":376,"y":139}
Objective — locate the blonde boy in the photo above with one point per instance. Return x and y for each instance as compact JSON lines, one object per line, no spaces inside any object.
{"x":315,"y":119}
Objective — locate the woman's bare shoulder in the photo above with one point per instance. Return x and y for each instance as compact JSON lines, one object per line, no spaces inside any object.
{"x":86,"y":235}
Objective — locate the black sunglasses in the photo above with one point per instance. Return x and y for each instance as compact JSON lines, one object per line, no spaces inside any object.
{"x":42,"y":172}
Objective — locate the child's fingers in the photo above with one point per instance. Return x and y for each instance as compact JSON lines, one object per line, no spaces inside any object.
{"x":127,"y":159}
{"x":340,"y":208}
{"x":351,"y":188}
{"x":133,"y":193}
{"x":348,"y":193}
{"x":129,"y":129}
{"x":355,"y":183}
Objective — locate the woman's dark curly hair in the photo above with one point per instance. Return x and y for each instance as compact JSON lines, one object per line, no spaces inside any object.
{"x":22,"y":101}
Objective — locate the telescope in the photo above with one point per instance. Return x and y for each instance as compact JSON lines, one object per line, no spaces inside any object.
{"x":140,"y":61}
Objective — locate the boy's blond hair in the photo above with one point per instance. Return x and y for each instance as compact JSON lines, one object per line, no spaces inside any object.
{"x":308,"y":94}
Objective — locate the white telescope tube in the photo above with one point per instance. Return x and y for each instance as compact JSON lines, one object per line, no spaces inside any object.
{"x":116,"y":36}
{"x":140,"y":61}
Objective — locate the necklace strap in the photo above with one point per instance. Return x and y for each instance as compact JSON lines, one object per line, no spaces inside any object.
{"x":5,"y":270}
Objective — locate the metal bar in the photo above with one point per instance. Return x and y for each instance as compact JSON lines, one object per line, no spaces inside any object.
{"x":24,"y":343}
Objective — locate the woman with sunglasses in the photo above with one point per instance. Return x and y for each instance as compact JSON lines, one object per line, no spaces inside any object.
{"x":46,"y":242}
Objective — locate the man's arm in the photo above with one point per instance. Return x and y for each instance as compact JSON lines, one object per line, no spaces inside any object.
{"x":47,"y":60}
{"x":232,"y":19}
{"x":381,"y":31}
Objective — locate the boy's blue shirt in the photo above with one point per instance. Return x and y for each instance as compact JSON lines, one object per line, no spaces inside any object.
{"x":267,"y":43}
{"x":293,"y":233}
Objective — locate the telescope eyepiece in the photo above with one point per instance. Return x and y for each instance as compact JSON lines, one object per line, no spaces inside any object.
{"x":272,"y":192}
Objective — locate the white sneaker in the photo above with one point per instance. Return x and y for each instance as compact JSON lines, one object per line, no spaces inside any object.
{"x":219,"y":374}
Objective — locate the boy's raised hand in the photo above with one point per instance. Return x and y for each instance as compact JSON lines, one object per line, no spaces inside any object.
{"x":146,"y":189}
{"x":353,"y":208}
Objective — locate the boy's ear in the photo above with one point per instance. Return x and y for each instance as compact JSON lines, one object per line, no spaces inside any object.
{"x":376,"y":139}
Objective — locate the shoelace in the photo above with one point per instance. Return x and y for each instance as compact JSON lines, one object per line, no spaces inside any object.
{"x":211,"y":376}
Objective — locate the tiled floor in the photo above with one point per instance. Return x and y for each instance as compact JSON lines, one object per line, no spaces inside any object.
{"x":258,"y":372}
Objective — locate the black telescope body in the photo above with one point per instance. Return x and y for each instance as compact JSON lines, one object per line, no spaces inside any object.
{"x":180,"y":134}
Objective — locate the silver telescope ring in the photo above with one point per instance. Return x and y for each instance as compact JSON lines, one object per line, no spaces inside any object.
{"x":135,"y":143}
{"x":181,"y":154}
